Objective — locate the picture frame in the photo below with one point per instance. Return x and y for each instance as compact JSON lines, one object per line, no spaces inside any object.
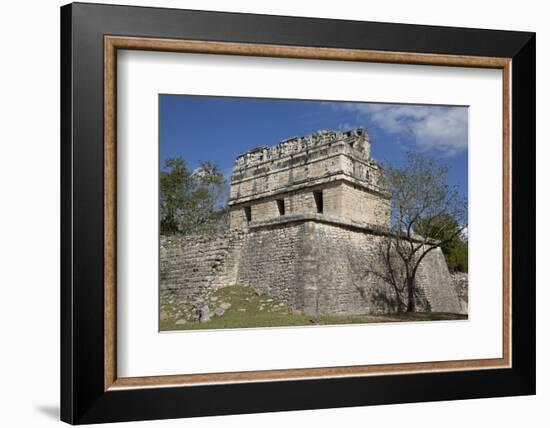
{"x":91,"y":391}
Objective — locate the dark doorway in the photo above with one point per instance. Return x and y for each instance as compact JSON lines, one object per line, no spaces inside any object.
{"x":318,"y":196}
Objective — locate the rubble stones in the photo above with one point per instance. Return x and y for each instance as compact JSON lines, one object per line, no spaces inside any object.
{"x":204,"y":314}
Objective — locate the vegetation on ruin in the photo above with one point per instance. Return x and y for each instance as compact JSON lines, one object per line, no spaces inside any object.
{"x":426,"y":214}
{"x":192,"y":201}
{"x":248,"y":309}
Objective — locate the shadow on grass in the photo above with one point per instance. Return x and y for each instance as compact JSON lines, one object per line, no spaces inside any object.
{"x":250,"y":310}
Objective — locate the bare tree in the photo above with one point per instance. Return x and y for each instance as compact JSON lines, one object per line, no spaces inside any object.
{"x":422,"y":206}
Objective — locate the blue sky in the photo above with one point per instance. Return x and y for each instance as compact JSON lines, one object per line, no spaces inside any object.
{"x":220,"y":128}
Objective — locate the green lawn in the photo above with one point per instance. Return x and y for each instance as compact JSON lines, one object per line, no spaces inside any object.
{"x":248,"y":309}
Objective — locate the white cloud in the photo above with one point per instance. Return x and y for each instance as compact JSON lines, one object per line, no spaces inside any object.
{"x":443,"y":129}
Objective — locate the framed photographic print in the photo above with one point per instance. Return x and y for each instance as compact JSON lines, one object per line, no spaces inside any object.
{"x":316,"y":212}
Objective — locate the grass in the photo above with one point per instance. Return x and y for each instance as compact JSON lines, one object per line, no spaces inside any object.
{"x":250,"y":309}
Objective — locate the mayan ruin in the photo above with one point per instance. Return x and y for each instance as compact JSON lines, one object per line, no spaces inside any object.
{"x":305,"y":216}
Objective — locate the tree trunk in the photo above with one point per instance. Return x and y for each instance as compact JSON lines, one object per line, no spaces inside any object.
{"x":411,"y":304}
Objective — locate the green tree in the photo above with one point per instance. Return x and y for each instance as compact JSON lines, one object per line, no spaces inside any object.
{"x":455,"y":245}
{"x":191,"y":201}
{"x":456,"y":254}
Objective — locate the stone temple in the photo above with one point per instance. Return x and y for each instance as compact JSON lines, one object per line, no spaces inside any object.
{"x":307,"y":217}
{"x":326,"y":176}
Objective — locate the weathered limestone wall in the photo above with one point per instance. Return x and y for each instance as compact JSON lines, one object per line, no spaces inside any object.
{"x":190,"y":265}
{"x":434,"y":277}
{"x":460,"y":285}
{"x":298,"y":202}
{"x":237,"y":219}
{"x":314,"y":267}
{"x":264,"y":210}
{"x":271,"y":262}
{"x":340,"y":199}
{"x":306,"y":265}
{"x":335,"y":262}
{"x":338,"y":262}
{"x":358,"y":139}
{"x":263,"y":181}
{"x":358,"y":205}
{"x":304,"y":170}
